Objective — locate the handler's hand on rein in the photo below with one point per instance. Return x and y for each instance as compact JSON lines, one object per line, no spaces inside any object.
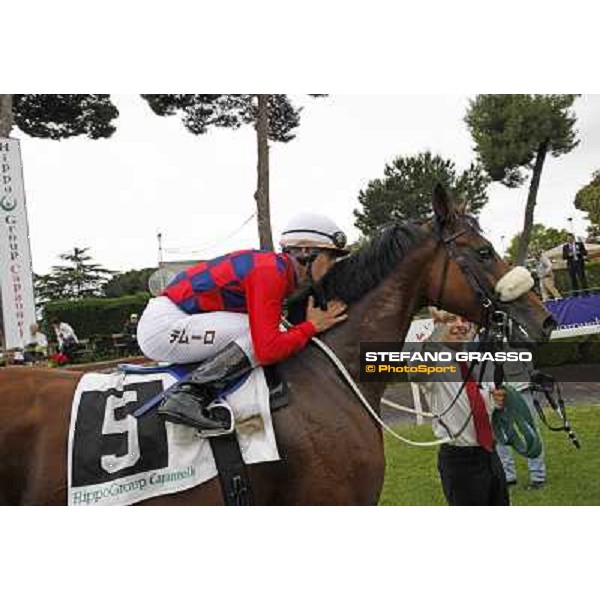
{"x":326,"y":319}
{"x":499,"y":395}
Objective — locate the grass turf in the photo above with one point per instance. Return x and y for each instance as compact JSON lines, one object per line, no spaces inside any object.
{"x":572,"y":475}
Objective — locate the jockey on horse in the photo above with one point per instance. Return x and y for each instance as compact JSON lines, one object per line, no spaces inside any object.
{"x":227,"y":312}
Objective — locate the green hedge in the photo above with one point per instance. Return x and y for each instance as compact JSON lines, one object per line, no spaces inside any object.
{"x":559,"y":352}
{"x":589,"y":349}
{"x":563,"y":281}
{"x":96,"y":316}
{"x":570,"y":351}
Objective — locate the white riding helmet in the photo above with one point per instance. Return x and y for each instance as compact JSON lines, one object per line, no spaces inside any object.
{"x":311,"y":230}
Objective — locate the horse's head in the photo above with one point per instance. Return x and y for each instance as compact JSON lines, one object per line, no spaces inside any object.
{"x":469,"y":278}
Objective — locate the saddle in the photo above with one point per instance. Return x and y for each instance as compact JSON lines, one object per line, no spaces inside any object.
{"x":278,"y":388}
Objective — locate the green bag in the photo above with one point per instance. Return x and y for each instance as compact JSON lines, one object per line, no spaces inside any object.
{"x":514,"y":426}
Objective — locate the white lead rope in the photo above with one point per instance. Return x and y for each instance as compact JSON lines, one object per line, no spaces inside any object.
{"x":412,"y":411}
{"x":342,"y":369}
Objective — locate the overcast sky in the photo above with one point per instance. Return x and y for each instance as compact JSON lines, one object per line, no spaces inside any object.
{"x":152,"y":176}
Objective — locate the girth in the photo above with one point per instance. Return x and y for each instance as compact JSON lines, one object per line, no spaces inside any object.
{"x":233,"y":473}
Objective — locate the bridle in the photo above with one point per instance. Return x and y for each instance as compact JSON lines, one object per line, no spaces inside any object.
{"x":495,"y":325}
{"x":486,"y":300}
{"x":487,"y":303}
{"x":494,"y":322}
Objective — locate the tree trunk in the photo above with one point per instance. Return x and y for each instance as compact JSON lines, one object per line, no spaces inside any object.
{"x":262,"y":189}
{"x":531,"y":200}
{"x":6,"y":115}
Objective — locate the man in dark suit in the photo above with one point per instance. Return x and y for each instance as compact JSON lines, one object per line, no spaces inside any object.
{"x":574,"y":253}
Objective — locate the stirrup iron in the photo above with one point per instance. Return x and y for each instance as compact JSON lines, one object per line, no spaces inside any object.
{"x":210,"y":433}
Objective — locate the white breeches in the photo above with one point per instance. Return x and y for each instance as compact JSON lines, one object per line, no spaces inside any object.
{"x":167,"y":333}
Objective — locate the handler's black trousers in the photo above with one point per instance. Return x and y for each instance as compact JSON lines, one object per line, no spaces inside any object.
{"x":471,"y":476}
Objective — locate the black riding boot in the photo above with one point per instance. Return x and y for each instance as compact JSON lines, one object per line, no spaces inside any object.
{"x":188,"y":402}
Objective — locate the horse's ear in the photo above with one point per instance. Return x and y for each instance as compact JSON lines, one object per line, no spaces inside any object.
{"x":443,"y":205}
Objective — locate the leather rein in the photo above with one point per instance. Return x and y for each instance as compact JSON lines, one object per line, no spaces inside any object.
{"x":489,"y":323}
{"x":494,"y":325}
{"x":487,"y":304}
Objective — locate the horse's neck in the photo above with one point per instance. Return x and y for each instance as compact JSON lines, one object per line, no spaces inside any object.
{"x":382,"y":315}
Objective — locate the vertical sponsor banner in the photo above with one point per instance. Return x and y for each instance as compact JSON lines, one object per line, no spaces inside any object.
{"x":16,"y":278}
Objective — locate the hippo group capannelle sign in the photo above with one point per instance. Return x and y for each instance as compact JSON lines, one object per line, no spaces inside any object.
{"x":16,"y":278}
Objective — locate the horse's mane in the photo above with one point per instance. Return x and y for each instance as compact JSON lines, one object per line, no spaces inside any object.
{"x":354,"y":276}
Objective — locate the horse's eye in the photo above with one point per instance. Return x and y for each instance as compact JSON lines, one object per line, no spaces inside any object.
{"x":485,"y":253}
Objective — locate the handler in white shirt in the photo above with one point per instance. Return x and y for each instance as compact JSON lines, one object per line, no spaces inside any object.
{"x":469,"y":467}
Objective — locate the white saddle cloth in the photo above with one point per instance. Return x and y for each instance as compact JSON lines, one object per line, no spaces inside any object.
{"x":115,"y":459}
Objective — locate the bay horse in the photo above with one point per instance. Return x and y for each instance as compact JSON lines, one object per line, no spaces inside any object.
{"x":331,"y":449}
